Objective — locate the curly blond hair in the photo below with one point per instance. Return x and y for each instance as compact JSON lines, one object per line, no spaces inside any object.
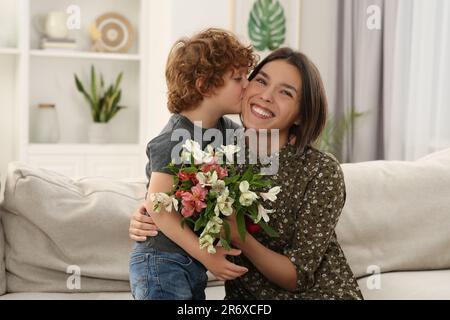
{"x":208,"y":56}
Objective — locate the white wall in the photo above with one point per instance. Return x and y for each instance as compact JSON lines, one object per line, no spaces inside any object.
{"x":316,"y":39}
{"x":7,"y":87}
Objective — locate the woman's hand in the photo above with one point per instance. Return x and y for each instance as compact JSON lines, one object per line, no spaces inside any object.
{"x":141,"y":225}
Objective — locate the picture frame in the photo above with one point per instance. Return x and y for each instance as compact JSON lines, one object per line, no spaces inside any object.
{"x":240,"y":16}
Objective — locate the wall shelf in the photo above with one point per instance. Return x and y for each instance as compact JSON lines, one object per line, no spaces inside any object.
{"x":10,"y":51}
{"x":84,"y":55}
{"x":34,"y":76}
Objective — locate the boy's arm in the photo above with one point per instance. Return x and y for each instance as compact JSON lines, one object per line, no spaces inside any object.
{"x":170,"y":224}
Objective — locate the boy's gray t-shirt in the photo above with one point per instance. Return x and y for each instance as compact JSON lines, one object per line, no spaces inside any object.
{"x":159,"y":153}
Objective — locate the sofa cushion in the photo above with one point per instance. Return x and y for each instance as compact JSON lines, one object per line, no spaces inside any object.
{"x":56,"y":227}
{"x":412,"y":285}
{"x":397,"y":215}
{"x":2,"y":257}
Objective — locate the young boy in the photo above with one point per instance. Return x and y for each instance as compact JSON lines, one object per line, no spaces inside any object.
{"x":206,"y":77}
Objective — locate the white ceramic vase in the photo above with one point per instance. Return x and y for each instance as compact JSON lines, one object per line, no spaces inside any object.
{"x":98,"y":133}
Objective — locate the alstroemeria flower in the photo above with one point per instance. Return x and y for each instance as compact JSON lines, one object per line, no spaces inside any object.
{"x":263,"y":213}
{"x":229,"y":151}
{"x":193,"y":148}
{"x":247,"y":197}
{"x":213,"y":226}
{"x":209,"y":156}
{"x":163,"y":201}
{"x":271,"y":195}
{"x":218,"y":186}
{"x":207,"y":236}
{"x":188,"y":208}
{"x":224,"y":204}
{"x":207,"y":179}
{"x":207,"y":241}
{"x":196,"y":199}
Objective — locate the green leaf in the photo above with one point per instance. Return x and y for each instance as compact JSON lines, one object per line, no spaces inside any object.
{"x":248,"y":175}
{"x":231,"y":180}
{"x":225,"y":244}
{"x":253,"y":211}
{"x":190,"y":170}
{"x":261,"y":184}
{"x":200,"y":223}
{"x":271,"y":232}
{"x":334,"y":133}
{"x":240,"y":220}
{"x":104,"y":105}
{"x":96,"y":107}
{"x":119,"y":78}
{"x":267,"y":25}
{"x":226,"y":229}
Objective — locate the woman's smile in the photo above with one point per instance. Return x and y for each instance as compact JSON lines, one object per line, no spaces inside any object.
{"x":261,"y":112}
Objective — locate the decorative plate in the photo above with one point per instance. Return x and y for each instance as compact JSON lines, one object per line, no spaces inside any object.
{"x":115,"y":33}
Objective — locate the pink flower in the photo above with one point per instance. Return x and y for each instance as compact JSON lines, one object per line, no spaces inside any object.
{"x":213,"y":166}
{"x":221,"y":172}
{"x":194,"y":200}
{"x":183,"y":176}
{"x":188,"y":209}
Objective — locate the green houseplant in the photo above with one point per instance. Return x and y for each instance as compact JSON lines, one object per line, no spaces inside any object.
{"x":104,"y":103}
{"x":334,"y":133}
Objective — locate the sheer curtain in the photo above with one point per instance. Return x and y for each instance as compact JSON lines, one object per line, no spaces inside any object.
{"x":418,"y":120}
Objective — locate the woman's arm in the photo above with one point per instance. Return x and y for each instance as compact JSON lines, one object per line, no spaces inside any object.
{"x":170,"y":224}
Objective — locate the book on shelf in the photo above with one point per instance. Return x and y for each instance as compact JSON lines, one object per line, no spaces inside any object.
{"x":50,"y":43}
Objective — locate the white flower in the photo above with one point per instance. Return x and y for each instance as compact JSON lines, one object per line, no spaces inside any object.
{"x":229,"y":151}
{"x":224,"y":204}
{"x":185,"y":157}
{"x":193,"y":148}
{"x":207,"y":236}
{"x":218,"y":186}
{"x":247,"y":197}
{"x":206,"y":241}
{"x":208,"y":154}
{"x":263,"y":213}
{"x":207,"y":179}
{"x":163,"y":200}
{"x":271,"y":195}
{"x":214,"y":225}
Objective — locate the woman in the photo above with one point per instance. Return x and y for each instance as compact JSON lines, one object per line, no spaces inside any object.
{"x":305,"y":262}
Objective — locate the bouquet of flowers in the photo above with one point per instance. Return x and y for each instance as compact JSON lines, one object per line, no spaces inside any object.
{"x":209,"y":190}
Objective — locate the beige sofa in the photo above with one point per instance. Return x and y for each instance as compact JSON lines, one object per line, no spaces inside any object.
{"x":68,"y":239}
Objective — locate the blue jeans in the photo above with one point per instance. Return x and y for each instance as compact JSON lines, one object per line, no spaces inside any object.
{"x":159,"y":275}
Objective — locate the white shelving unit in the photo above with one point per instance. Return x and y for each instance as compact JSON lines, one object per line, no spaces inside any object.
{"x":47,"y":76}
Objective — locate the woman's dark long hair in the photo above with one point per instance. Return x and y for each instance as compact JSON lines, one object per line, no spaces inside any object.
{"x":313,"y":102}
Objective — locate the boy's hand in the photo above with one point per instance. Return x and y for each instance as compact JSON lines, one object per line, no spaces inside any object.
{"x":223,"y":269}
{"x":141,"y":225}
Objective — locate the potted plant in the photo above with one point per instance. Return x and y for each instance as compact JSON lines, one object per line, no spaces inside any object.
{"x":334,"y":133}
{"x":104,"y":104}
